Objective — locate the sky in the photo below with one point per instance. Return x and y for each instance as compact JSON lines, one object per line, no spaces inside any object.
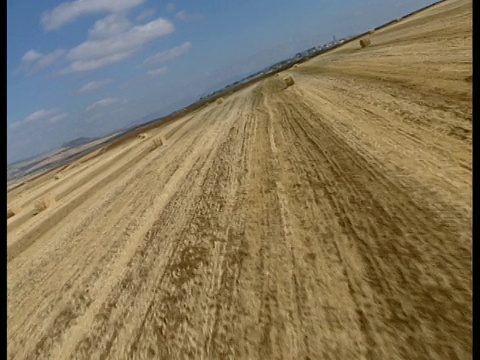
{"x":86,"y":68}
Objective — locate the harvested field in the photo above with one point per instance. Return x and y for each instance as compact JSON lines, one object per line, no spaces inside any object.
{"x":328,"y":220}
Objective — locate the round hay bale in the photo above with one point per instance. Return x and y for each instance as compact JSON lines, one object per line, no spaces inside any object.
{"x":44,"y":203}
{"x":57,"y":177}
{"x":157,"y":142}
{"x":220,"y":101}
{"x":142,"y":136}
{"x":371,"y":31}
{"x":365,"y":42}
{"x":289,"y":81}
{"x":13,"y":211}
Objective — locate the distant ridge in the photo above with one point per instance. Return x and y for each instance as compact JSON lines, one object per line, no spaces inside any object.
{"x":77,"y":142}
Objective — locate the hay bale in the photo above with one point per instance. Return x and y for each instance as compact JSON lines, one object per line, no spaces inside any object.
{"x":398,"y":20}
{"x":365,"y":42}
{"x":220,"y":101}
{"x":44,"y":203}
{"x":13,"y":211}
{"x":157,"y":142}
{"x":371,"y":31}
{"x":142,"y":136}
{"x":289,"y":81}
{"x":57,"y":177}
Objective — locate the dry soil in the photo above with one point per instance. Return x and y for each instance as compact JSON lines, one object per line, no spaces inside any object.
{"x":328,"y":220}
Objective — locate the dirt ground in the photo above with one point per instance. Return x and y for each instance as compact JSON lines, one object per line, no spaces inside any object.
{"x":329,"y":220}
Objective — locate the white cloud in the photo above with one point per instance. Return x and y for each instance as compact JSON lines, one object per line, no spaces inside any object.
{"x":31,"y":55}
{"x":40,"y":115}
{"x":34,"y":60}
{"x":51,"y":115}
{"x":169,"y":54}
{"x":146,"y":14}
{"x":183,"y":15}
{"x":88,"y":65}
{"x":96,"y":53}
{"x":157,"y":72}
{"x":124,"y":42}
{"x":101,"y":103}
{"x":48,"y":59}
{"x":94,"y":85}
{"x":15,"y":125}
{"x":171,"y":6}
{"x":68,"y":11}
{"x":58,"y":118}
{"x":109,"y":26}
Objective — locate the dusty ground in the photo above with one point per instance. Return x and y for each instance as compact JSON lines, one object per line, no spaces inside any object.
{"x":330,"y":220}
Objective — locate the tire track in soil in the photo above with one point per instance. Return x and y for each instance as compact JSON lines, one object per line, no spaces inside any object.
{"x":391,"y":252}
{"x":108,"y":204}
{"x":436,"y":168}
{"x":85,"y":346}
{"x":326,"y":319}
{"x":84,"y":177}
{"x":91,"y":256}
{"x":264,"y":319}
{"x":69,"y":319}
{"x":188,"y":273}
{"x":59,"y":214}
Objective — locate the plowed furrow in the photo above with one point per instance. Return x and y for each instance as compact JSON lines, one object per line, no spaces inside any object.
{"x":389,"y":252}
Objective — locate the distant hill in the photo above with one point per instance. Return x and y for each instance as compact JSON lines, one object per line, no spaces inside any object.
{"x":77,"y":142}
{"x":20,"y":170}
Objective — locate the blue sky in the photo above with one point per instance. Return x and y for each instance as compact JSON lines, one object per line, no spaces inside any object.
{"x":90,"y":67}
